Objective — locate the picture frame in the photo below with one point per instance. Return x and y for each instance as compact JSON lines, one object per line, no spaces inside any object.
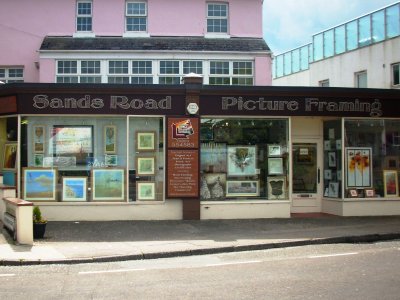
{"x":111,"y":160}
{"x":274,"y":150}
{"x":10,"y":156}
{"x":327,"y":145}
{"x":145,"y":191}
{"x":39,"y":133}
{"x":390,"y":183}
{"x":358,"y":167}
{"x":213,"y":157}
{"x":110,"y":139}
{"x":74,"y":188}
{"x":369,"y":193}
{"x":242,"y":160}
{"x":108,"y":184}
{"x":338,"y":144}
{"x":38,"y":159}
{"x":145,"y":166}
{"x":332,"y":159}
{"x":352,"y":193}
{"x":145,"y":141}
{"x":328,"y":174}
{"x":275,"y":166}
{"x":39,"y":184}
{"x":213,"y":186}
{"x":276,"y":187}
{"x":242,"y":188}
{"x":333,"y":191}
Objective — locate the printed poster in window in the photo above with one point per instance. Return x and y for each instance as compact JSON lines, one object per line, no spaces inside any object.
{"x":359,"y":167}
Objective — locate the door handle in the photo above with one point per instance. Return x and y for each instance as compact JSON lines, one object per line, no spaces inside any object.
{"x":319,"y":175}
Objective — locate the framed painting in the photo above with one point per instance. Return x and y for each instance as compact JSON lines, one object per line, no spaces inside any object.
{"x":110,"y":139}
{"x":274,"y":150}
{"x":213,"y":157}
{"x":146,"y":141}
{"x":38,"y":159}
{"x":333,"y":191}
{"x":332,"y":159}
{"x":275,"y":166}
{"x":390,"y":183}
{"x":108,"y":184}
{"x":39,"y":133}
{"x":358,"y":167}
{"x":39,"y":184}
{"x":242,"y":188}
{"x":352,"y":193}
{"x":74,"y":188}
{"x":145,"y":166}
{"x":242,"y":160}
{"x":213,"y":186}
{"x":276,"y":187}
{"x":10,"y":156}
{"x":145,"y":191}
{"x":328,"y":174}
{"x":111,"y":160}
{"x":369,"y":193}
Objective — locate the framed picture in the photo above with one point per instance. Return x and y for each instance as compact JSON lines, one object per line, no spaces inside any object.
{"x":39,"y":132}
{"x":331,"y":159}
{"x":74,"y":188}
{"x":391,"y":162}
{"x":146,"y":141}
{"x":338,"y":144}
{"x":276,"y":187}
{"x":369,"y":193}
{"x":213,"y":157}
{"x":352,"y":193}
{"x":145,"y":166}
{"x":110,"y":139}
{"x":38,"y":159}
{"x":328,"y":174}
{"x":213,"y":186}
{"x":108,"y":184}
{"x":145,"y":191}
{"x":327,"y":145}
{"x":10,"y":156}
{"x":246,"y":188}
{"x":274,"y":150}
{"x":242,"y":160}
{"x":359,"y":167}
{"x":111,"y":160}
{"x":39,"y":184}
{"x":275,"y":166}
{"x":390,"y":183}
{"x":333,"y":191}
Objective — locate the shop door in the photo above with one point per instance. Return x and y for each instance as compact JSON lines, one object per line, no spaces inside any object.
{"x":306,"y":181}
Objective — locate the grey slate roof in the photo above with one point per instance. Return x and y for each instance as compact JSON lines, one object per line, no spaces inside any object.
{"x":154,"y":44}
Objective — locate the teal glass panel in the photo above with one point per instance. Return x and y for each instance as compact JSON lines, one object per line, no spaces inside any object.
{"x":378,"y":26}
{"x":364,"y":31}
{"x":287,"y":58}
{"x":351,"y":35}
{"x":279,"y":66}
{"x":318,"y":42}
{"x":340,"y":39}
{"x":328,"y":43}
{"x":296,"y":60}
{"x":310,"y":53}
{"x":392,"y":21}
{"x":304,"y":58}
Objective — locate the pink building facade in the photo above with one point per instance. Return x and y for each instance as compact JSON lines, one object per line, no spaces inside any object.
{"x":101,"y":41}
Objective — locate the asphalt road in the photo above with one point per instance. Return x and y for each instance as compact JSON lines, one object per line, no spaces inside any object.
{"x":343,"y":271}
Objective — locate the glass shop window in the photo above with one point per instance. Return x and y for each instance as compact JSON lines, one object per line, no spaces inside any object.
{"x":244,"y":159}
{"x":8,"y":149}
{"x":372,"y":151}
{"x":332,"y":159}
{"x":73,"y":159}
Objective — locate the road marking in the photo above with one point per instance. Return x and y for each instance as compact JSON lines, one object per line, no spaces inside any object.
{"x":7,"y":275}
{"x":110,"y":271}
{"x":234,"y":263}
{"x":333,"y":255}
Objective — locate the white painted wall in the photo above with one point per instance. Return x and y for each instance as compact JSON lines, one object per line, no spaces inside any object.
{"x":298,"y":79}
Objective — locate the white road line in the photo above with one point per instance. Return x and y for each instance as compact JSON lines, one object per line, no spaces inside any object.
{"x":110,"y":271}
{"x":7,"y":275}
{"x":234,"y":263}
{"x":333,"y":255}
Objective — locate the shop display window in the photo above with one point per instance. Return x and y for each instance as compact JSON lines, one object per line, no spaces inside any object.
{"x":332,"y":173}
{"x":8,"y":149}
{"x":243,"y":159}
{"x":372,"y":151}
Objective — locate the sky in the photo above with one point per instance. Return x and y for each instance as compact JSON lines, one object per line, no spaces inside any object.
{"x":290,"y":24}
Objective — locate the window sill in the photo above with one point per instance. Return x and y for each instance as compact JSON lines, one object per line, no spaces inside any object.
{"x":217,"y":36}
{"x":83,"y":34}
{"x":135,"y":34}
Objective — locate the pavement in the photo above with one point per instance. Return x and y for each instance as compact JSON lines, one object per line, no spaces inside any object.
{"x":85,"y":242}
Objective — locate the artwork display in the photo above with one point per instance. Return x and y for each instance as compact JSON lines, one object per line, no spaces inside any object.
{"x":38,"y":159}
{"x":331,"y":159}
{"x":145,"y":166}
{"x":275,"y":166}
{"x":10,"y":156}
{"x":146,"y":141}
{"x":74,"y":188}
{"x":39,"y":184}
{"x":369,"y":193}
{"x":213,"y":186}
{"x":108,"y":184}
{"x":359,"y":167}
{"x":111,"y":160}
{"x":245,"y":188}
{"x":213,"y":157}
{"x":242,"y":160}
{"x":353,"y":193}
{"x":110,"y":139}
{"x":274,"y":150}
{"x":390,"y":183}
{"x":328,"y":174}
{"x":333,"y":191}
{"x":276,"y":187}
{"x":145,"y":191}
{"x":39,"y":133}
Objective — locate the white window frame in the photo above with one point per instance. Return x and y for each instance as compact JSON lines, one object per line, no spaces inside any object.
{"x":9,"y":79}
{"x":393,"y":75}
{"x":85,"y":33}
{"x":78,"y":74}
{"x":231,"y":74}
{"x":357,"y":77}
{"x":140,"y":33}
{"x":217,"y":34}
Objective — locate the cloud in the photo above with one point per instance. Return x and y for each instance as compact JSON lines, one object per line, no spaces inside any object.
{"x":44,"y":180}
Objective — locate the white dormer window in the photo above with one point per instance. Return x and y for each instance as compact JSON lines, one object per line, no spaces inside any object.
{"x":136,"y":16}
{"x":217,"y":18}
{"x":84,"y":16}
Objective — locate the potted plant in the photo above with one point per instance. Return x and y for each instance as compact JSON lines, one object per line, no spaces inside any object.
{"x":39,"y":224}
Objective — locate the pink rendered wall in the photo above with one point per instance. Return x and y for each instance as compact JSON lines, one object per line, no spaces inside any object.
{"x":263,"y":71}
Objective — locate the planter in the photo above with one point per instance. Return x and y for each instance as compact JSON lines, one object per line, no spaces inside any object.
{"x":39,"y":230}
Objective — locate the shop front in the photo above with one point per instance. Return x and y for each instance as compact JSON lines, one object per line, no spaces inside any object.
{"x":117,"y":152}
